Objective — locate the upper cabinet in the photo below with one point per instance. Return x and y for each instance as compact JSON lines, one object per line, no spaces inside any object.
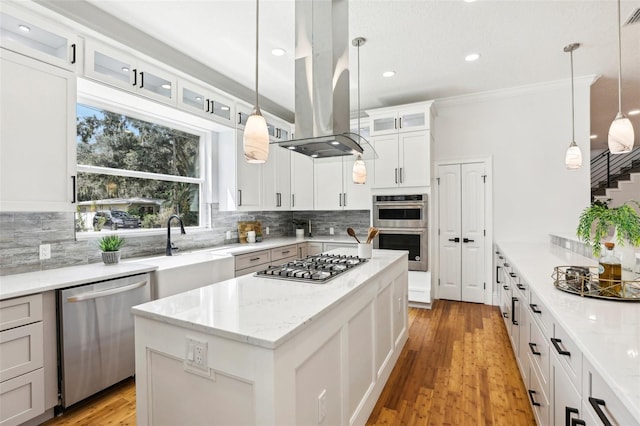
{"x":334,"y":188}
{"x":406,"y":118}
{"x":301,"y":182}
{"x":205,"y":102}
{"x":126,"y":71}
{"x":37,"y":136}
{"x":401,"y":138}
{"x":276,"y":179}
{"x":29,"y":34}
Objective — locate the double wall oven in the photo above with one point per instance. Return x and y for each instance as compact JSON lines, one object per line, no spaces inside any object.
{"x":403,"y":222}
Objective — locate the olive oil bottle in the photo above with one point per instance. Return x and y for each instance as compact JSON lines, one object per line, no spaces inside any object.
{"x":610,"y":273}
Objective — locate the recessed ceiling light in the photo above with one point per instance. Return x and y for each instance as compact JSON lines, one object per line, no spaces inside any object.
{"x":278,"y":51}
{"x":593,"y":137}
{"x":125,"y":69}
{"x":634,"y":112}
{"x":166,"y":86}
{"x":24,"y":28}
{"x":335,"y":143}
{"x":388,"y":73}
{"x":472,"y":57}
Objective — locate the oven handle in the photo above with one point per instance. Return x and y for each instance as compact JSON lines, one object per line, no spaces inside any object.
{"x":103,"y":293}
{"x":401,"y":205}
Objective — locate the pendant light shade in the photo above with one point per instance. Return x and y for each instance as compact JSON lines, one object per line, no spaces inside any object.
{"x":359,"y":171}
{"x":573,"y":158}
{"x":621,"y":134}
{"x":359,"y":167}
{"x":255,"y":141}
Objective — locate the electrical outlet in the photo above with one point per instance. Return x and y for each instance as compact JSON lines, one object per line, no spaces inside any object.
{"x":196,"y":354}
{"x":266,"y":230}
{"x":228,"y":235}
{"x":567,"y":245}
{"x":331,"y":230}
{"x":322,"y":406}
{"x":45,"y":251}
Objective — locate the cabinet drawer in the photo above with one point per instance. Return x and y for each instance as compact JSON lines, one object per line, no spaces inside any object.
{"x":283,"y":252}
{"x":596,"y":393}
{"x":539,"y":354}
{"x":568,"y":354}
{"x":314,"y":248}
{"x":541,"y":314}
{"x":21,"y":350}
{"x":538,"y":398}
{"x":251,"y":269}
{"x":250,"y":260}
{"x":20,"y":311}
{"x":22,"y":398}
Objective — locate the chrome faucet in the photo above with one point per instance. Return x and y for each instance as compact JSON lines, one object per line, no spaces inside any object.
{"x":171,"y":247}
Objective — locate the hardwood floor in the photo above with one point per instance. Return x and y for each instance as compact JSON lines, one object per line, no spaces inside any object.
{"x":457,"y":368}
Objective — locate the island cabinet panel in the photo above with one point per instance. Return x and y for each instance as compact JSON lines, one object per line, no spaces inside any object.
{"x":322,"y":370}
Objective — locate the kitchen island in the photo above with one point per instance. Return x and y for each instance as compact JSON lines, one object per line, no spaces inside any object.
{"x":265,"y":351}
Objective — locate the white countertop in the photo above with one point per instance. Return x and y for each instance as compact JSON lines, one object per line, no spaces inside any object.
{"x":269,"y":243}
{"x":262,"y":311}
{"x":607,"y":332}
{"x":37,"y":282}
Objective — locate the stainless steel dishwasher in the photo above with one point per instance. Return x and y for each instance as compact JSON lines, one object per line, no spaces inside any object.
{"x":95,"y":332}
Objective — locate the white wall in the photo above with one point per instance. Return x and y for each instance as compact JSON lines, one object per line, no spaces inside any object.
{"x":526,"y":131}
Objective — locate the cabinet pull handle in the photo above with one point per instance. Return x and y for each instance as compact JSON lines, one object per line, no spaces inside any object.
{"x":339,"y":199}
{"x":293,"y":200}
{"x":239,"y":118}
{"x":578,"y":422}
{"x":596,"y":403}
{"x":401,"y":177}
{"x":73,"y":53}
{"x":534,"y":308}
{"x":239,"y":197}
{"x":395,"y":123}
{"x":533,"y":401}
{"x":454,"y":240}
{"x":253,"y":259}
{"x":558,"y":348}
{"x":467,"y":240}
{"x":344,"y":199}
{"x":208,"y":101}
{"x":513,"y":274}
{"x":135,"y":77}
{"x":396,"y":173}
{"x":568,"y":411}
{"x":506,"y":265}
{"x":73,"y":189}
{"x":501,"y":257}
{"x":286,"y":252}
{"x":505,"y":315}
{"x":141,"y":79}
{"x":400,"y":122}
{"x":520,"y":286}
{"x":514,"y":321}
{"x":498,"y":274}
{"x":506,"y":287}
{"x":278,"y":202}
{"x":533,"y":346}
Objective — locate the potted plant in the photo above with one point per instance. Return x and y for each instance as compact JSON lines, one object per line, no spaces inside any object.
{"x":110,"y":246}
{"x":598,"y":219}
{"x":299,"y":225}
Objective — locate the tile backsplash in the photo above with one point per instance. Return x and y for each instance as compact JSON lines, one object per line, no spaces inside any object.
{"x":21,"y":234}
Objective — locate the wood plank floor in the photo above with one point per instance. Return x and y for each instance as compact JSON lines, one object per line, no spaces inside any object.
{"x":457,"y":368}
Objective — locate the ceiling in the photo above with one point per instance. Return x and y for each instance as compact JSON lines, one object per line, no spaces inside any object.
{"x":520,"y":42}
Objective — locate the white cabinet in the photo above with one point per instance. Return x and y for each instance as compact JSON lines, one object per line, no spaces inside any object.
{"x":37,"y":136}
{"x":276,"y":179}
{"x":599,"y":400}
{"x":32,"y":35}
{"x":301,"y":182}
{"x":402,"y":141}
{"x":406,"y":118}
{"x":567,"y":401}
{"x":126,"y":71}
{"x":22,"y":373}
{"x":205,"y":102}
{"x":239,"y":182}
{"x":334,"y":188}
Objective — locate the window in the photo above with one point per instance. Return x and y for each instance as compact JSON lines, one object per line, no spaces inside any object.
{"x":134,"y":173}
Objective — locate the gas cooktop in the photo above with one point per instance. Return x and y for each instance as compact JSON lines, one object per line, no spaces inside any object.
{"x":316,"y":269}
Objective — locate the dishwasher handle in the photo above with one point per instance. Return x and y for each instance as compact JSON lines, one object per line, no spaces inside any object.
{"x":103,"y":293}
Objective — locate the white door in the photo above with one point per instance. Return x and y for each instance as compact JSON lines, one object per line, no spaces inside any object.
{"x":461,"y":218}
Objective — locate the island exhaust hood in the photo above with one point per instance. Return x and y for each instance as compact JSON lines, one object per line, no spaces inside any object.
{"x":322,"y":82}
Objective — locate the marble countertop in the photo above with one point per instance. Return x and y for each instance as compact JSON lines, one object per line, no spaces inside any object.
{"x":37,"y":282}
{"x":607,"y":332}
{"x":262,"y":311}
{"x":269,"y":243}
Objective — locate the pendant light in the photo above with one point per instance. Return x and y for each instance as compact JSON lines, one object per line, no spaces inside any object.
{"x":359,"y":174}
{"x":255,"y":141}
{"x":573,"y":159}
{"x":621,"y":131}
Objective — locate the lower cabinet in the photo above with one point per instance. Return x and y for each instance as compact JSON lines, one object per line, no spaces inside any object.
{"x":599,"y":402}
{"x":566,"y":399}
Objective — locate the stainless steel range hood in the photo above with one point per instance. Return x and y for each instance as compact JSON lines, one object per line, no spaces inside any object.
{"x":322,"y":81}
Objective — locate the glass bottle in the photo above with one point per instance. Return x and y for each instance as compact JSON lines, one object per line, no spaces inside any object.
{"x":610,"y":273}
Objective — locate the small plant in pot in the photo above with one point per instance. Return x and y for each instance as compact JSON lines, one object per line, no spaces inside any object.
{"x":598,"y":219}
{"x":110,"y":246}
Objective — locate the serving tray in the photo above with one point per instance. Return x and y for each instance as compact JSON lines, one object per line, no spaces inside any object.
{"x":570,"y":279}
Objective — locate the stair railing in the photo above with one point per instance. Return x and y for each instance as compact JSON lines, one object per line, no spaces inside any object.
{"x":606,"y":167}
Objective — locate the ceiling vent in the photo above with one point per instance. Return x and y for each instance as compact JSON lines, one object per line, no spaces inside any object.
{"x":634,"y":18}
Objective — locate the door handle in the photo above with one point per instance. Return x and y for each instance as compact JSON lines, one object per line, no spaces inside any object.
{"x":466,"y":240}
{"x":454,"y":240}
{"x":103,"y":293}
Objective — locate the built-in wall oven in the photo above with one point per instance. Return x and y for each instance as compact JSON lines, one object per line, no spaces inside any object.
{"x":403,"y":224}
